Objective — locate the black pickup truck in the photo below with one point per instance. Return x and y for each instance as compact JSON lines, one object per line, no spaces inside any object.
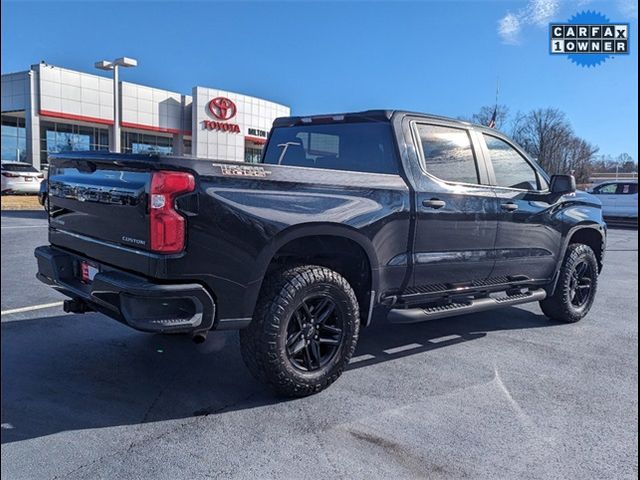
{"x":346,"y":219}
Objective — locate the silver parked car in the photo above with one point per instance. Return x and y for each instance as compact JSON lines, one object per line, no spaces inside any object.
{"x":619,"y":198}
{"x":20,"y":177}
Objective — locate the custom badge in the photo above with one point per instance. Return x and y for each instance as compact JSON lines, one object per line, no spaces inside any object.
{"x":589,"y":39}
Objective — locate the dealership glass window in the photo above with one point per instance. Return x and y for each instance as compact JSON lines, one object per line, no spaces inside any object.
{"x":252,"y":154}
{"x":187,"y":147}
{"x":133,"y":142}
{"x":14,"y":141}
{"x":61,"y":137}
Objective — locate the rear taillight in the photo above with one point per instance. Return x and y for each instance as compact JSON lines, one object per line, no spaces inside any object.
{"x":167,"y":227}
{"x":10,"y":175}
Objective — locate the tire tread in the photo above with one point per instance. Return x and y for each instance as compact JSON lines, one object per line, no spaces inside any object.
{"x":259,"y":341}
{"x":558,"y":306}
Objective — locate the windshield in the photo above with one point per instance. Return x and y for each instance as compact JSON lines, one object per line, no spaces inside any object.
{"x":361,"y":147}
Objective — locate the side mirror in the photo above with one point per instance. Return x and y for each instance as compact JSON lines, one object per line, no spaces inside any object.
{"x":563,"y":184}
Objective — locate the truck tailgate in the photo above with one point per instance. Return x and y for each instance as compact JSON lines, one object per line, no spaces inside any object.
{"x":100,"y":200}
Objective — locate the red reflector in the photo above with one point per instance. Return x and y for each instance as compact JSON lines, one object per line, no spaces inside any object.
{"x":84,"y":273}
{"x":87,"y":272}
{"x":167,"y":226}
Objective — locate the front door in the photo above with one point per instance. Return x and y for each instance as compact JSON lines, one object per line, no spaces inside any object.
{"x":456,"y":210}
{"x":526,"y":241}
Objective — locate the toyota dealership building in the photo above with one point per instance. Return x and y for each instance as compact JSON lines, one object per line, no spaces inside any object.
{"x":49,"y":109}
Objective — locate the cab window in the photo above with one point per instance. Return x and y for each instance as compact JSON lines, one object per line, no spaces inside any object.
{"x":448,"y":154}
{"x":628,"y":188}
{"x":606,"y":189}
{"x":510,"y":168}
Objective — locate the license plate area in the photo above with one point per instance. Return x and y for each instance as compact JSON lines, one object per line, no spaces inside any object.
{"x":88,"y":271}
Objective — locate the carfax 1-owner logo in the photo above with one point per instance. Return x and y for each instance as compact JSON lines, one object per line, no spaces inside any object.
{"x":589,"y":39}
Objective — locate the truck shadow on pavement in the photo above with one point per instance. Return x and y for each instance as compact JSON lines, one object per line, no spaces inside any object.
{"x":86,"y":371}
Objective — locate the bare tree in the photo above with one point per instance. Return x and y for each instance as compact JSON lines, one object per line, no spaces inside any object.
{"x":576,"y":158}
{"x":623,"y":163}
{"x":547,"y":136}
{"x":627,"y":163}
{"x":485,"y":114}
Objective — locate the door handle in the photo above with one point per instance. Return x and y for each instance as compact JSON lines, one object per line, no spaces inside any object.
{"x":509,"y":206}
{"x":435,"y":203}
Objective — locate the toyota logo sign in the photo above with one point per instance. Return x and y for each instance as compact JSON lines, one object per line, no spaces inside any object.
{"x":222,"y":108}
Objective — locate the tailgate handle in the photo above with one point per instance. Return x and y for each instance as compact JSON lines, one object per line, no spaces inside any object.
{"x":435,"y":203}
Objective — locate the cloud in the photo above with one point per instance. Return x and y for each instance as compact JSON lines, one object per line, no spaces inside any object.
{"x":536,"y":12}
{"x":509,"y":29}
{"x":541,"y":12}
{"x":629,"y":8}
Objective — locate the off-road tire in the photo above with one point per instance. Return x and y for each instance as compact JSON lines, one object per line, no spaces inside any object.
{"x":559,"y":306}
{"x":263,"y":342}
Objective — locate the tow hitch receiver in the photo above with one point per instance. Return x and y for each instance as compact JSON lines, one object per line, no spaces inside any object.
{"x":76,"y":306}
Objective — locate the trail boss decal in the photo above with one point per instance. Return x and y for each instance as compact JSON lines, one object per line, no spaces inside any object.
{"x":244,"y":171}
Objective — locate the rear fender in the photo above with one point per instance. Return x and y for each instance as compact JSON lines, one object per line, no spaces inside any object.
{"x":309,"y":230}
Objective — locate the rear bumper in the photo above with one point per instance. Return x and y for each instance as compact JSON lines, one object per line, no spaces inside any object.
{"x":130,"y":299}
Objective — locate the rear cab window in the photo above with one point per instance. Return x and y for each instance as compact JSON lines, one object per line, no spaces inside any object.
{"x":357,"y":147}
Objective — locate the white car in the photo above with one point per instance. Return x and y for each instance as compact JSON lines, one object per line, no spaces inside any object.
{"x":619,"y":198}
{"x":20,"y":177}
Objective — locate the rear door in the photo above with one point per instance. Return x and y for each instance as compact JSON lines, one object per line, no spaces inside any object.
{"x":526,"y":241}
{"x":607,"y":193}
{"x":455,"y":208}
{"x":627,"y":201}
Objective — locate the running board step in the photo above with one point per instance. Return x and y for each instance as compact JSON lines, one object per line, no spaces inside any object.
{"x":415,"y":315}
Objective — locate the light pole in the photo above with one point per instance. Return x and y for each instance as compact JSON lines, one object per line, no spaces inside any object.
{"x":113,"y":66}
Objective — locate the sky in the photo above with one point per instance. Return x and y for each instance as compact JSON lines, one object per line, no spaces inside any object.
{"x":318,"y":57}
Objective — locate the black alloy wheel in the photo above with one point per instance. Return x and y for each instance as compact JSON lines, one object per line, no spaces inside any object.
{"x":314,"y":333}
{"x":580,"y":284}
{"x":304,"y":330}
{"x":576,"y":286}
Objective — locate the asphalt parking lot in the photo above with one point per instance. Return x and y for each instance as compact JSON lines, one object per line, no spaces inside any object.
{"x":503,"y":394}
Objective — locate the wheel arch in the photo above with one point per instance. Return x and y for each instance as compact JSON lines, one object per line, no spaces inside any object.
{"x":335,"y":246}
{"x":591,"y":234}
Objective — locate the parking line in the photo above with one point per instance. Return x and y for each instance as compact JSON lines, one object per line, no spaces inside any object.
{"x":446,"y":338}
{"x":361,"y":358}
{"x":411,"y":346}
{"x":31,"y":308}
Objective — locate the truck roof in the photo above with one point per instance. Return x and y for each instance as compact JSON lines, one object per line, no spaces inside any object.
{"x":366,"y":115}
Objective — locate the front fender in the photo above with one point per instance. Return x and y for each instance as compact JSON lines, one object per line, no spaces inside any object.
{"x":576,"y":213}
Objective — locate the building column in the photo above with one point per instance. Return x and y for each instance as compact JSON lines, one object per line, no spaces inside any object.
{"x":177,"y":144}
{"x":32,"y":118}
